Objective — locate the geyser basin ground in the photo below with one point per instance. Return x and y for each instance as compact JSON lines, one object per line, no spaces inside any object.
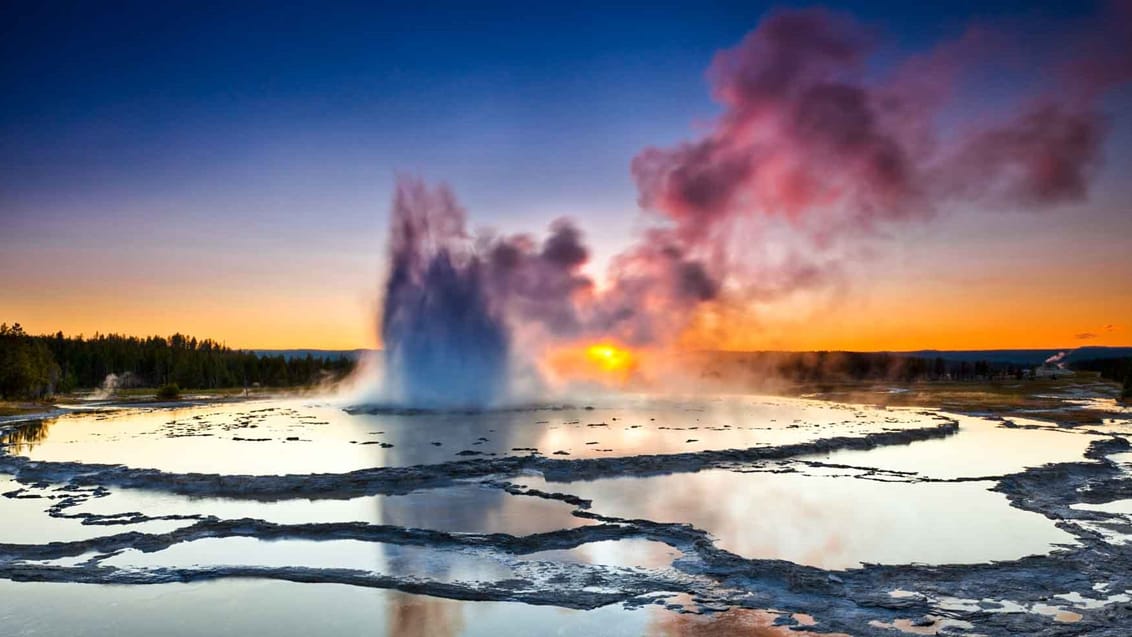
{"x":625,"y":517}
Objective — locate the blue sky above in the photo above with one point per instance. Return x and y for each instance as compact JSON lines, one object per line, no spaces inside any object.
{"x":264,"y":112}
{"x":238,"y":139}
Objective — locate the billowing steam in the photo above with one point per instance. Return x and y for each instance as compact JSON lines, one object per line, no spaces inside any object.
{"x":1057,"y":359}
{"x":809,"y":138}
{"x":809,"y":143}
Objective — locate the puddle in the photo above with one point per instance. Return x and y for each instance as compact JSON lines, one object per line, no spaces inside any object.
{"x":25,"y":520}
{"x":621,"y":553}
{"x":829,"y":522}
{"x":389,"y":559}
{"x":1120,"y":507}
{"x":237,"y":608}
{"x":309,"y":493}
{"x":265,"y":438}
{"x":981,"y":448}
{"x":459,"y":509}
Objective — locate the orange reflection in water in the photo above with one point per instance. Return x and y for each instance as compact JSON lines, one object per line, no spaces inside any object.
{"x":736,"y":621}
{"x":419,"y":616}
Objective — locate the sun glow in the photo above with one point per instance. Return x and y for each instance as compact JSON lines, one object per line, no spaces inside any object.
{"x":610,"y":358}
{"x":603,"y":362}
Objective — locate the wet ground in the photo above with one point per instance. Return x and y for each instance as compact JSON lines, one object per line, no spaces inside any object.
{"x":629,"y":516}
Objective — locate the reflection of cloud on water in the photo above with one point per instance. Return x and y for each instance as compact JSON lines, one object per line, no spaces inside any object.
{"x":828,"y":520}
{"x":750,"y":516}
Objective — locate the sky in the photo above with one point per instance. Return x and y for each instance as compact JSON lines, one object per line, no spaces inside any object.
{"x":226,"y":169}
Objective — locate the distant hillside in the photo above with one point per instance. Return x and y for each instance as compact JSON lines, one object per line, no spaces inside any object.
{"x":1021,"y":356}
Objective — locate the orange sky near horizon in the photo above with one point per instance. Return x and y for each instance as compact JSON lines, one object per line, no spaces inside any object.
{"x":888,"y":326}
{"x":934,"y":287}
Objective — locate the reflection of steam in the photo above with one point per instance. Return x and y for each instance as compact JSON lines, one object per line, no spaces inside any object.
{"x":825,"y":540}
{"x":736,"y":621}
{"x":469,"y":508}
{"x":420,"y":616}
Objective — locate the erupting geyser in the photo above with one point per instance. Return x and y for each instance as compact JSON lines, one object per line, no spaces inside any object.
{"x":445,"y":345}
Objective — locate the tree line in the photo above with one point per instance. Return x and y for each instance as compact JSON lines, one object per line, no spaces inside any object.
{"x":830,"y":367}
{"x":1114,"y":369}
{"x":826,"y":367}
{"x":38,"y":366}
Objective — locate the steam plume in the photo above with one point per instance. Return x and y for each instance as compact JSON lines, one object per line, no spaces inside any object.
{"x":1057,"y":359}
{"x":810,"y":152}
{"x":808,"y":136}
